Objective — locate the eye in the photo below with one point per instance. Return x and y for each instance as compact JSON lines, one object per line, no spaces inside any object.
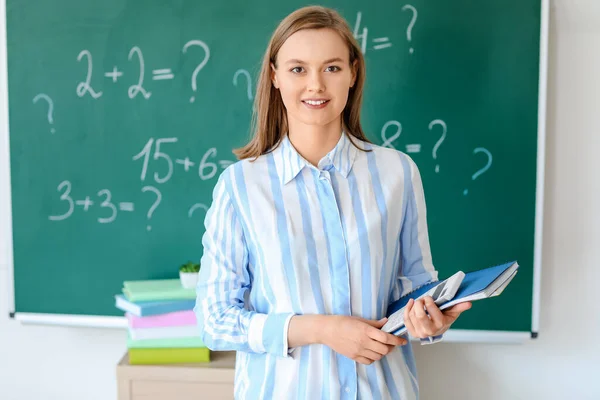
{"x":297,"y":70}
{"x":333,"y":68}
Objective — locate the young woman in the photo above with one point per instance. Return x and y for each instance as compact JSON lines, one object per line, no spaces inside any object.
{"x":314,"y":232}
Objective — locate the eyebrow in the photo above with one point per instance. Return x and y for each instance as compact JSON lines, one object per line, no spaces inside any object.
{"x":296,"y":61}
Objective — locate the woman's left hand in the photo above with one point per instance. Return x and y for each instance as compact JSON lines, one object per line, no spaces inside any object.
{"x":420,"y":325}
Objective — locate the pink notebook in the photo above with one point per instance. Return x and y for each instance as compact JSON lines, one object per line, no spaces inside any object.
{"x":177,"y":318}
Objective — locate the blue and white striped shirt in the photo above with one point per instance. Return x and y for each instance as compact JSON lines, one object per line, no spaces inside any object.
{"x":285,"y":238}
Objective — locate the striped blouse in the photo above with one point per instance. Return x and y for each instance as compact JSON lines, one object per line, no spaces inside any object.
{"x":285,"y":238}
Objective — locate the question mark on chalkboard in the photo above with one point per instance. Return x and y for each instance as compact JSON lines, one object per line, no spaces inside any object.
{"x":201,"y":65}
{"x":154,"y":205}
{"x":248,"y":79}
{"x":482,"y":170}
{"x":196,"y":206}
{"x":411,"y":24}
{"x":440,"y":140}
{"x":50,"y":107}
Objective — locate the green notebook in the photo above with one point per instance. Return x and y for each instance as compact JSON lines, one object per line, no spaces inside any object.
{"x":186,"y":342}
{"x":156,"y":289}
{"x":169,"y":356}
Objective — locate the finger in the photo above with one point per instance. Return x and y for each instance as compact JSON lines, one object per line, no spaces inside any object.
{"x":371,"y":355}
{"x":373,"y":322}
{"x":419,"y":309}
{"x":409,"y":320}
{"x":410,"y":327}
{"x":408,"y":309}
{"x":385,"y":338}
{"x":394,"y":340}
{"x":421,"y":320}
{"x":377,"y":347}
{"x":416,"y":327}
{"x":437,"y":318}
{"x":363,"y":360}
{"x":379,"y":324}
{"x":456,"y":310}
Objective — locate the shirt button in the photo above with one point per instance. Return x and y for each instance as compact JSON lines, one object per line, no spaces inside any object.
{"x":347,"y":389}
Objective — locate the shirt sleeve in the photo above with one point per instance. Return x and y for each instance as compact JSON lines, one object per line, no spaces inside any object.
{"x":416,"y":266}
{"x":431,"y":339}
{"x":224,"y":320}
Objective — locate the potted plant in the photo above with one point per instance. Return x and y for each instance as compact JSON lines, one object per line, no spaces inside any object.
{"x":188,"y":274}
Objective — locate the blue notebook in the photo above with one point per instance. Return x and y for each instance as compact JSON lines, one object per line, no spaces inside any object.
{"x":154,"y":307}
{"x":403,"y":301}
{"x":488,"y":282}
{"x":476,"y":285}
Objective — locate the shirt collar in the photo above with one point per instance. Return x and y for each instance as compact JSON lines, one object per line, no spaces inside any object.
{"x":341,"y":157}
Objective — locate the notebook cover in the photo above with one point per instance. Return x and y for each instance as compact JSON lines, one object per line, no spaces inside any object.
{"x":477,"y":281}
{"x":185,"y":342}
{"x":177,"y":318}
{"x":157,"y":289}
{"x":164,"y":332}
{"x":169,"y":356}
{"x":402,"y":301}
{"x":154,"y":307}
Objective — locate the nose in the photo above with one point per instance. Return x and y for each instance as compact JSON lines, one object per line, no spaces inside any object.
{"x":316,"y":83}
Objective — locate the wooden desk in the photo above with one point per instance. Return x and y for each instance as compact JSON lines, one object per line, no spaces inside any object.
{"x":213,"y":380}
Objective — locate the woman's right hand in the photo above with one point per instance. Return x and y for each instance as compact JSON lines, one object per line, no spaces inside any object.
{"x":357,"y":338}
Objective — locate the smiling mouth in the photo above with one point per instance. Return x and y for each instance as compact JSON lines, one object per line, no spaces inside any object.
{"x":315,"y":103}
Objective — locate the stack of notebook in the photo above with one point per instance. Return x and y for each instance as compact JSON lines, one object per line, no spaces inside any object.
{"x":472,"y":286}
{"x":162,"y":325}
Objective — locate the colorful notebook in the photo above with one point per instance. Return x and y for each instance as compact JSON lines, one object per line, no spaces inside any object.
{"x":167,"y":332}
{"x":185,"y":342}
{"x":169,"y":356}
{"x":157,"y":289}
{"x":148,"y":308}
{"x":177,"y":318}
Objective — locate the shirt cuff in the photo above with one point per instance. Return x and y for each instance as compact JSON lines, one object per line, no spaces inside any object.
{"x":268,"y":333}
{"x":255,"y":333}
{"x":432,"y":339}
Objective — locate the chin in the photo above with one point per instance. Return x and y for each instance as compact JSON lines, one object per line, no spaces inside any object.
{"x":319,"y":121}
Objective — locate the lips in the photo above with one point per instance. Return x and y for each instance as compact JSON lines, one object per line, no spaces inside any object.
{"x":315,"y":102}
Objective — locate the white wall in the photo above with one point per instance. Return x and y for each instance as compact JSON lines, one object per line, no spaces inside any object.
{"x":39,"y":362}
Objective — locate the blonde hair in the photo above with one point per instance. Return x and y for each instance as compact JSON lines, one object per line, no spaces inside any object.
{"x":269,"y":119}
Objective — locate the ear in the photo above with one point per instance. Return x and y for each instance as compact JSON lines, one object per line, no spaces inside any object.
{"x":274,"y":76}
{"x":354,"y":72}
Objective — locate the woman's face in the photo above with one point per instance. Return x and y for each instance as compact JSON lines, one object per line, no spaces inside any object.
{"x":314,"y":76}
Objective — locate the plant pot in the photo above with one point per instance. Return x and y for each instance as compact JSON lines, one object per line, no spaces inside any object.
{"x":188,"y":279}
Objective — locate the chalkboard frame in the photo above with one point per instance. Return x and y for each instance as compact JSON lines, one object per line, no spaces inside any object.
{"x":7,"y":262}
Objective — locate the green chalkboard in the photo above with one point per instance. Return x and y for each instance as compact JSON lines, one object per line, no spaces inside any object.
{"x":123,"y":114}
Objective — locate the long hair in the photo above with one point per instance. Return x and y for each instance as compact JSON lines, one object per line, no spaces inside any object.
{"x":269,"y":118}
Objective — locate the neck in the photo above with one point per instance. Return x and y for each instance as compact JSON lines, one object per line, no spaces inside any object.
{"x":313,"y":142}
